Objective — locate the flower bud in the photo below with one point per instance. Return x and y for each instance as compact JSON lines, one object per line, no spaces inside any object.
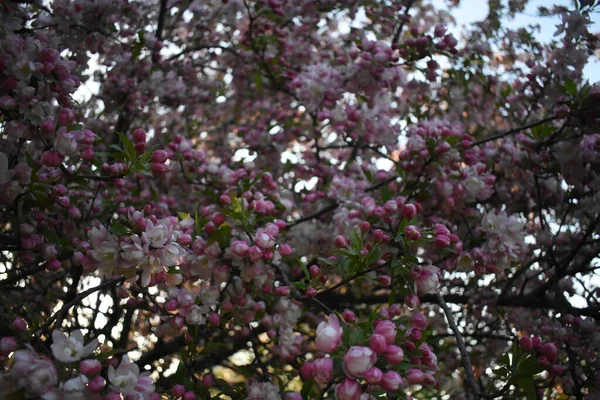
{"x":139,"y":135}
{"x":412,"y":232}
{"x":90,"y":367}
{"x":349,"y":389}
{"x":314,"y":271}
{"x":285,"y":249}
{"x":391,"y":381}
{"x":394,"y":355}
{"x":340,"y":242}
{"x":388,"y":330}
{"x":415,"y":376}
{"x":373,"y":376}
{"x":378,"y":344}
{"x":19,"y":325}
{"x":97,"y":384}
{"x":409,"y":211}
{"x":349,"y":316}
{"x":384,"y":280}
{"x":189,"y":396}
{"x":159,"y":156}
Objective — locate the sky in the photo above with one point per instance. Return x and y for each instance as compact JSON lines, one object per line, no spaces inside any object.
{"x":471,"y":11}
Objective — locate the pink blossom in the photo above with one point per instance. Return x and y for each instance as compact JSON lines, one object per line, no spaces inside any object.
{"x":358,"y":360}
{"x":329,"y":334}
{"x":349,"y":389}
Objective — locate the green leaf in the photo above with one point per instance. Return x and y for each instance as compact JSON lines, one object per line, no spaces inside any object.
{"x":356,"y":242}
{"x":129,"y":147}
{"x":307,"y":389}
{"x":75,"y":127}
{"x":570,"y":87}
{"x":528,"y":386}
{"x":373,"y":255}
{"x":119,"y":229}
{"x":356,"y":337}
{"x":326,"y":261}
{"x":183,"y":215}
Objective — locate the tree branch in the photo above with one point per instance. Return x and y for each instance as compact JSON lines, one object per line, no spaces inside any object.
{"x":466,"y":361}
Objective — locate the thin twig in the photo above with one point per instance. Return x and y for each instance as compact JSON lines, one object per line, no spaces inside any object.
{"x":511,"y":131}
{"x":466,"y":361}
{"x":60,"y":314}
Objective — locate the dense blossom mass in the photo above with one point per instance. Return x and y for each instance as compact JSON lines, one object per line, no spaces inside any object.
{"x":308,"y":199}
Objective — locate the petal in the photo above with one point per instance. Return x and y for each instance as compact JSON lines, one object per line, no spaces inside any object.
{"x":77,"y":335}
{"x":58,"y":337}
{"x":89,"y":349}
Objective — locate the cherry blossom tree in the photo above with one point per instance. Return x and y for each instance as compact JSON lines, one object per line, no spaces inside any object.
{"x":269,"y":199}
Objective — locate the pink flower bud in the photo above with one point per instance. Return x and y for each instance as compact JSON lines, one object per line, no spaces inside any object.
{"x":358,"y":360}
{"x":311,"y":292}
{"x":19,"y":325}
{"x":329,"y":334}
{"x":307,"y":371}
{"x":364,"y":226}
{"x":442,"y":241}
{"x":314,"y":271}
{"x":47,"y":127}
{"x":349,"y":316}
{"x":159,"y":156}
{"x":323,"y":370}
{"x":373,"y":376}
{"x":419,"y":321}
{"x":159,"y":169}
{"x":254,"y":253}
{"x":210,"y":228}
{"x":189,"y":396}
{"x":239,"y":248}
{"x":214,"y":319}
{"x":139,"y":135}
{"x":415,"y":376}
{"x":525,"y":343}
{"x":178,"y":390}
{"x":549,"y":350}
{"x":51,"y":158}
{"x":378,"y":344}
{"x":140,"y":147}
{"x":416,"y":335}
{"x":185,"y":239}
{"x":412,"y":232}
{"x":384,"y":280}
{"x":391,"y":381}
{"x":65,"y":116}
{"x":97,"y":384}
{"x":409,"y":211}
{"x":340,"y":242}
{"x":285,"y":249}
{"x":349,"y":389}
{"x":282,"y":291}
{"x":172,"y":306}
{"x":54,"y":265}
{"x":90,"y":367}
{"x":388,"y":330}
{"x":394,"y":355}
{"x":208,"y":381}
{"x":556,"y":370}
{"x":225,"y":199}
{"x":8,"y":344}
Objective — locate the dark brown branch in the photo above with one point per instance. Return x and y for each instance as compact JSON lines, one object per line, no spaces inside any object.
{"x":161,"y":19}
